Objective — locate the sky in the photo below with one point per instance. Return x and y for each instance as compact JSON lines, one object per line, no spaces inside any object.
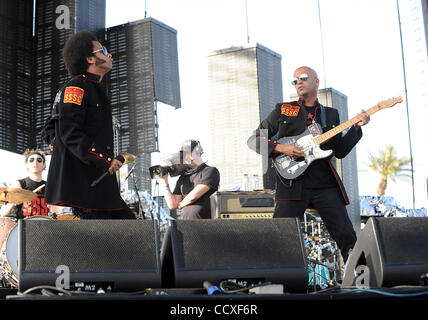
{"x":353,"y":45}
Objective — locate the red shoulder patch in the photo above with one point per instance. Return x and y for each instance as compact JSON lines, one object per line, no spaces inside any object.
{"x":289,"y":110}
{"x":73,"y":95}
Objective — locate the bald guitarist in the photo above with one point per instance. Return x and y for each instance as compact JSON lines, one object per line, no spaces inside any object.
{"x":319,"y":186}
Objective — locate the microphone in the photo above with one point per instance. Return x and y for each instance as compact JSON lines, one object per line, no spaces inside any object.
{"x":129,"y":173}
{"x":95,"y":182}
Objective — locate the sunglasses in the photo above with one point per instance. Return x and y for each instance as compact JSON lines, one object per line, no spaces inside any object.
{"x":39,"y":159}
{"x":302,"y":77}
{"x":103,"y":49}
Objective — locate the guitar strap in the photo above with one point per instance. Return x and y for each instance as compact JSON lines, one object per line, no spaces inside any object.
{"x":323,"y":117}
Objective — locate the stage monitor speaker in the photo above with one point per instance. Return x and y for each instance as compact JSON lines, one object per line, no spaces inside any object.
{"x":116,"y":255}
{"x":389,"y":252}
{"x":250,"y":251}
{"x":243,"y":204}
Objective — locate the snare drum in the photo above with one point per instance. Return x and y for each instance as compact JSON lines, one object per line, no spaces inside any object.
{"x":10,"y":252}
{"x":67,"y":216}
{"x":62,"y":213}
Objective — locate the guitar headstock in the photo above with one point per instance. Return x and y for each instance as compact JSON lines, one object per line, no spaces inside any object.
{"x":389,"y":103}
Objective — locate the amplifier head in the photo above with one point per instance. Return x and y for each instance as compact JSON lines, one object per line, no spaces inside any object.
{"x":243,"y":203}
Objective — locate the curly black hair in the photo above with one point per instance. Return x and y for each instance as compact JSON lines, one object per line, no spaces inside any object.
{"x":77,"y":48}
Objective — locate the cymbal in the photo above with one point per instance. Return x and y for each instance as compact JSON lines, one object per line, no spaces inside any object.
{"x":128,"y":157}
{"x":313,"y":238}
{"x":16,"y":195}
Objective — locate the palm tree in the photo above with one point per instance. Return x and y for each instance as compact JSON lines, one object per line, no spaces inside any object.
{"x":388,"y":165}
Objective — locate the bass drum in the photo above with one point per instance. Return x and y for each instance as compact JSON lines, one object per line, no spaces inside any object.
{"x":6,"y":224}
{"x":10,"y":252}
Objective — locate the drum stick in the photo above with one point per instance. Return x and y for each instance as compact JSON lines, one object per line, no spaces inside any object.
{"x":38,"y":188}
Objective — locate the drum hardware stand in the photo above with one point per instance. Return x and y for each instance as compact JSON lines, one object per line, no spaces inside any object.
{"x":313,"y":229}
{"x":158,"y":211}
{"x":314,"y":263}
{"x":140,"y":210}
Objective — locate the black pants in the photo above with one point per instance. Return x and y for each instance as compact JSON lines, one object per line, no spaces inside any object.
{"x":330,"y":206}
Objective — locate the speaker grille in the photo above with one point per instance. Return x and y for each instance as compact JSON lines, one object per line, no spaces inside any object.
{"x":89,"y":245}
{"x":239,"y":243}
{"x":403,"y":239}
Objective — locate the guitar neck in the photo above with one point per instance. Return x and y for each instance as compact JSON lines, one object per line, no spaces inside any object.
{"x":336,"y":130}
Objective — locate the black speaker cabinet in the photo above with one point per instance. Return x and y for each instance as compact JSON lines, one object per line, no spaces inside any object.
{"x":243,"y":204}
{"x":117,"y":255}
{"x":394,"y":250}
{"x":256,"y":250}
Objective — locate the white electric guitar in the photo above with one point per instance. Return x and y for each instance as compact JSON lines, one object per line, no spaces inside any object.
{"x":311,"y":139}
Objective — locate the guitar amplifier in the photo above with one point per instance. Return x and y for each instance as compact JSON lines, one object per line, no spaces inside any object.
{"x":258,"y":204}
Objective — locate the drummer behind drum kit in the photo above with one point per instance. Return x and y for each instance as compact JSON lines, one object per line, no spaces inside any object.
{"x":9,"y":227}
{"x":9,"y":234}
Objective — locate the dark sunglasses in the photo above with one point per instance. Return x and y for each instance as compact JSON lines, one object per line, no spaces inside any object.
{"x":39,"y":159}
{"x":103,"y":49}
{"x":302,"y":77}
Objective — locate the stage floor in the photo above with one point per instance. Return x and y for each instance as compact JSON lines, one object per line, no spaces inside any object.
{"x":415,"y":293}
{"x":197,"y":304}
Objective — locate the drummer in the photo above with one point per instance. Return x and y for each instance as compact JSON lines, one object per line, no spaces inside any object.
{"x":35,"y":163}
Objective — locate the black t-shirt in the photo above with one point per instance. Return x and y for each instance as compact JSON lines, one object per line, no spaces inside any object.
{"x":36,"y":207}
{"x":318,"y":174}
{"x":201,"y":208}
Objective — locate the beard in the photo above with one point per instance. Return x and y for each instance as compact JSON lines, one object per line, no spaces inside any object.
{"x":99,"y":61}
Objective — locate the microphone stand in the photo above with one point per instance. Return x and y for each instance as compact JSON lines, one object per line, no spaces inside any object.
{"x":140,"y":211}
{"x":157,"y":225}
{"x":116,"y":130}
{"x":157,"y":187}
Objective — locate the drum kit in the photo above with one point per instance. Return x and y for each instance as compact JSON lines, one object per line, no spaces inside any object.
{"x":9,"y":234}
{"x":322,"y":252}
{"x":9,"y":272}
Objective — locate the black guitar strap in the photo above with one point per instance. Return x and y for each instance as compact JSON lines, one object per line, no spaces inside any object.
{"x":323,"y":117}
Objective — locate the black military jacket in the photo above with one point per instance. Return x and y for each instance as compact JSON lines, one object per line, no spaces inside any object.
{"x":81,"y":132}
{"x":289,"y":119}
